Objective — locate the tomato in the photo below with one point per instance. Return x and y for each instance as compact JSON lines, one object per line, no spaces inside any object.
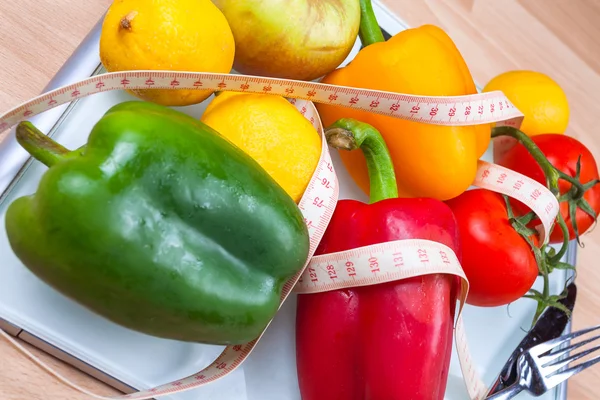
{"x":562,"y":152}
{"x":498,"y":262}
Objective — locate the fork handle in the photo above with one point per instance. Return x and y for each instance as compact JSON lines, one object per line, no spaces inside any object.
{"x":506,"y":394}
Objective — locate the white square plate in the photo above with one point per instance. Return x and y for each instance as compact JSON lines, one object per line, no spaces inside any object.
{"x":141,"y":361}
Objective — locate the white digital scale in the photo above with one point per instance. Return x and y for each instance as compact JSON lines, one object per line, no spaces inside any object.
{"x":130,"y":361}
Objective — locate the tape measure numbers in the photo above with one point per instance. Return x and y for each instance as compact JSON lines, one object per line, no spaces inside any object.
{"x":453,"y":110}
{"x":330,"y":271}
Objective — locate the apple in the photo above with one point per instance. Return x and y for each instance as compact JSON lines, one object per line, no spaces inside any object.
{"x":291,"y":39}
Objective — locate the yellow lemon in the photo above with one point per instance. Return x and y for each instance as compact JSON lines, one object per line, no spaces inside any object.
{"x":540,"y":99}
{"x":180,"y":35}
{"x":271,"y":131}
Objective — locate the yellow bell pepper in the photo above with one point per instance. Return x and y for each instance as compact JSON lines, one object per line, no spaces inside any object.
{"x":429,"y":160}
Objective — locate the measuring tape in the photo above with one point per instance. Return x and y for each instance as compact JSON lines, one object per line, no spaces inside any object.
{"x":318,"y":202}
{"x":438,"y":110}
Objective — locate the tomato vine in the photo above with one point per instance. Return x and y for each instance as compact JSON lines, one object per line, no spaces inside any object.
{"x":547,"y":257}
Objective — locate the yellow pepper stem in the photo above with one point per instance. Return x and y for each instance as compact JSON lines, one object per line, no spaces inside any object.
{"x":369,"y":32}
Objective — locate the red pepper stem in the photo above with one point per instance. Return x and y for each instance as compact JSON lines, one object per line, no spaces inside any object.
{"x":350,"y":134}
{"x":40,"y":146}
{"x":369,"y":32}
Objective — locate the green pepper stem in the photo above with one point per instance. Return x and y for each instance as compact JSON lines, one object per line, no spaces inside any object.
{"x":369,"y":32}
{"x":350,"y":134}
{"x":40,"y":146}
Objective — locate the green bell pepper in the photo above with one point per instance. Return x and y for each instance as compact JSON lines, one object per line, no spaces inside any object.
{"x":160,"y":225}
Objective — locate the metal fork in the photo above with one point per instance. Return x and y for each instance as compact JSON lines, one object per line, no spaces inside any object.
{"x":541,"y":367}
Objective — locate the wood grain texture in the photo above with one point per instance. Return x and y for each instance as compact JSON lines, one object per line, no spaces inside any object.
{"x":17,"y":374}
{"x":557,"y":37}
{"x":36,"y":38}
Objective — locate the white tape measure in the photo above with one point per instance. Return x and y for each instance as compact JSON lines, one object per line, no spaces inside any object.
{"x":439,"y":110}
{"x":319,"y":200}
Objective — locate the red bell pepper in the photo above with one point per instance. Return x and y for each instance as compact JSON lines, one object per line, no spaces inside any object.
{"x":390,"y":341}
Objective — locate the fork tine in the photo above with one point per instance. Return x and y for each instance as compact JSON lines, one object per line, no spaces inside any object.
{"x":550,"y":369}
{"x":551,"y":356}
{"x":566,"y":374}
{"x":545,"y":347}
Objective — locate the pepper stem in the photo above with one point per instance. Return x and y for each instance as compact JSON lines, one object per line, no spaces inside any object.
{"x":40,"y":146}
{"x":350,"y":134}
{"x":369,"y":32}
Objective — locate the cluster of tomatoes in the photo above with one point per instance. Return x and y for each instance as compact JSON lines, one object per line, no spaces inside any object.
{"x":501,"y":262}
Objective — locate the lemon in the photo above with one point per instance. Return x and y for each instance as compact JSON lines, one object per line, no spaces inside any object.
{"x":271,"y":131}
{"x":538,"y":97}
{"x":180,"y":35}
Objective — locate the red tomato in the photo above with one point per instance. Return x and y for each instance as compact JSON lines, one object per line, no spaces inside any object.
{"x":498,"y":262}
{"x":562,"y":151}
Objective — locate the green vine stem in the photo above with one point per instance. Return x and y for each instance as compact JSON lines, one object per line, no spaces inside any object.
{"x":522,"y":229}
{"x":547,"y":257}
{"x":552,"y":174}
{"x":552,"y":260}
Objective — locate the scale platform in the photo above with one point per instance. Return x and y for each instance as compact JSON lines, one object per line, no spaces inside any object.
{"x":131,"y":361}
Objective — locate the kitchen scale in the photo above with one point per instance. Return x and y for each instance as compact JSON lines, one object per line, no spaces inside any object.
{"x":128,"y":360}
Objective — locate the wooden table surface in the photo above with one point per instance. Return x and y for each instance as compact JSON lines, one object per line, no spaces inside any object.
{"x":557,"y":37}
